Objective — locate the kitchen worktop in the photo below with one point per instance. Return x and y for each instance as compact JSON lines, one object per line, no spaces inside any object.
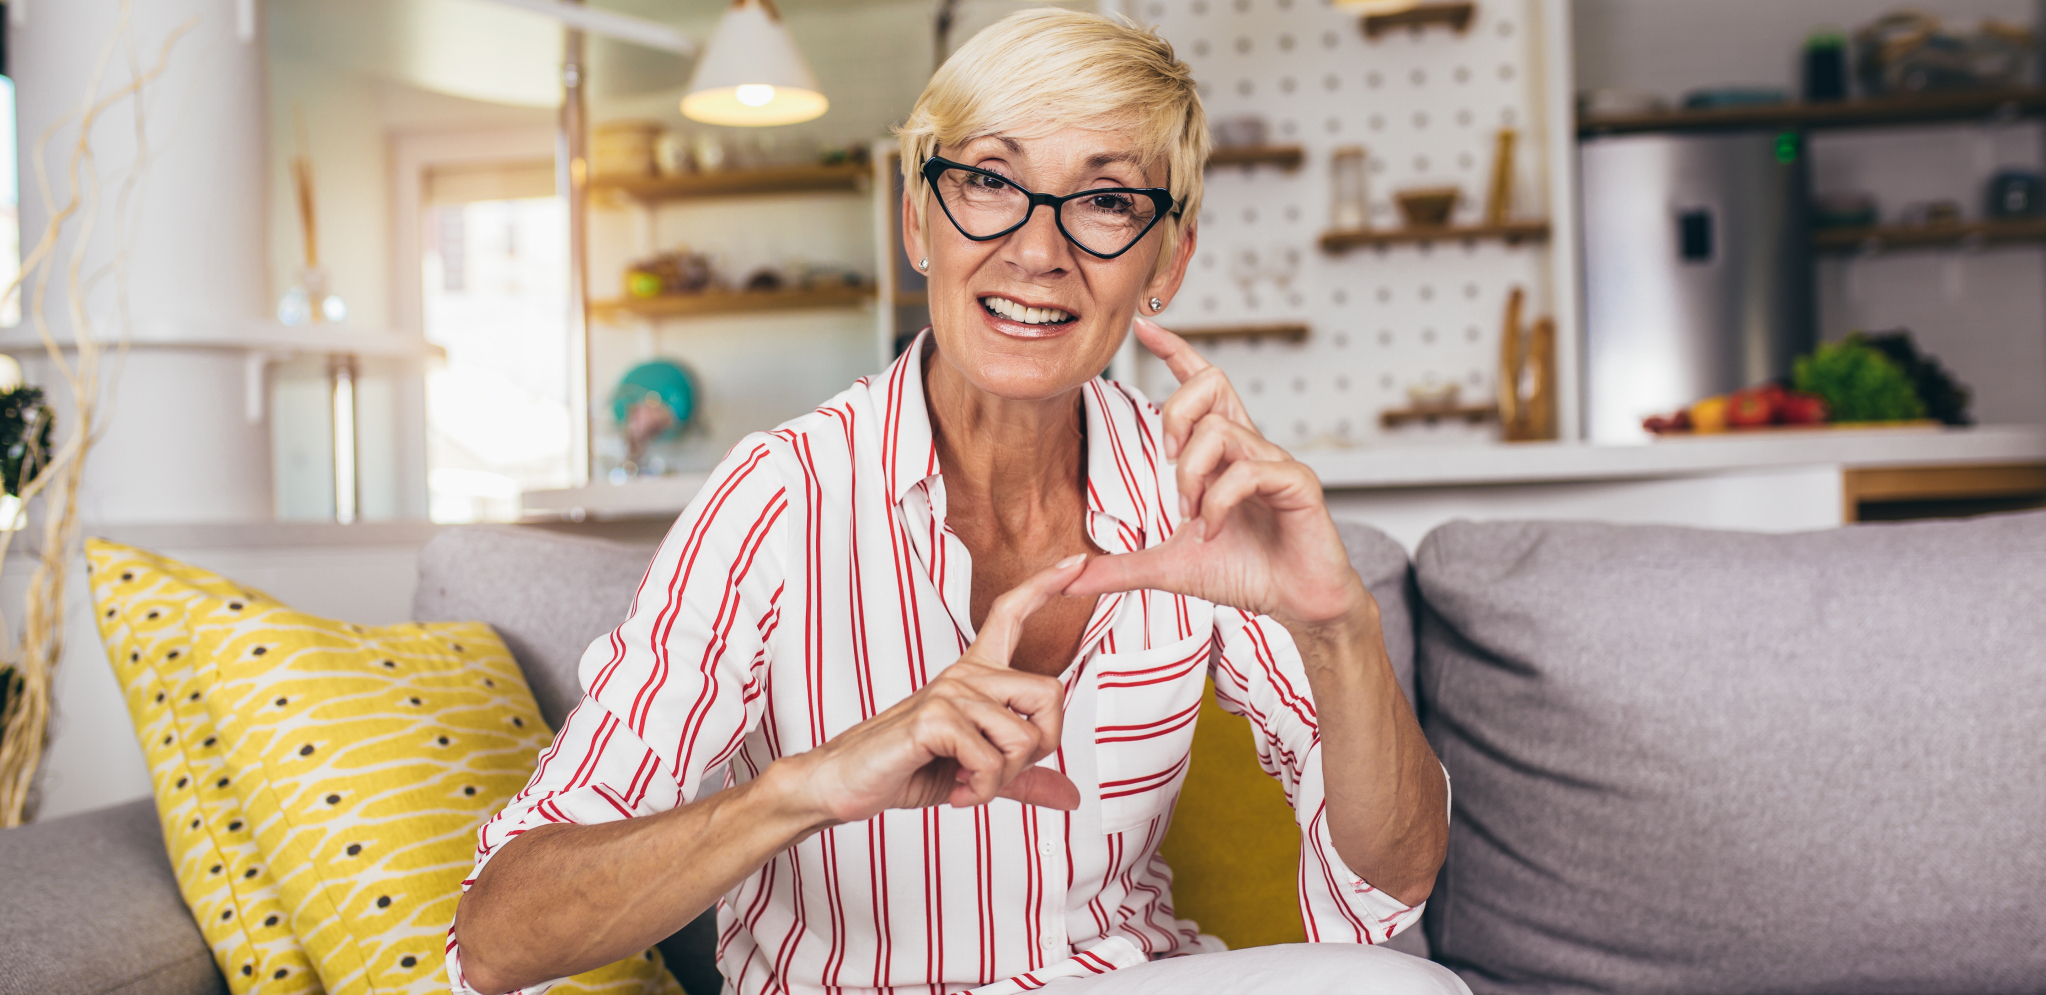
{"x":1387,"y":467}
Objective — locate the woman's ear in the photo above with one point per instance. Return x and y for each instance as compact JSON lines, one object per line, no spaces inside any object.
{"x":913,"y":242}
{"x":1166,"y":283}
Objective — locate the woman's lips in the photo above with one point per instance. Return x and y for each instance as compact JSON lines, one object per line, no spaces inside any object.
{"x":1023,"y":329}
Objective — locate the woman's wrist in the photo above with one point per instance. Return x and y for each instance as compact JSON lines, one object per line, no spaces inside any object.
{"x":780,"y":802}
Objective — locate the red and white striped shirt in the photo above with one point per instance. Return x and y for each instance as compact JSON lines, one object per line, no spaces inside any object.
{"x":811,"y":584}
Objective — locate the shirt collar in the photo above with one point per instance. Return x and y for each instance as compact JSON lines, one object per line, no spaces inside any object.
{"x":1122,"y":451}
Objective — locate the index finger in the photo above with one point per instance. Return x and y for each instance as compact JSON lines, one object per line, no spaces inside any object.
{"x":1179,"y":357}
{"x":1003,"y":627}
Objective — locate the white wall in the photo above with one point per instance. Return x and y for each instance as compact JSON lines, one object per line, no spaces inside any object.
{"x":1983,"y":313}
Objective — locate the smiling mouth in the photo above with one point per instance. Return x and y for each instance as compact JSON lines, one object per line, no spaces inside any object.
{"x":1002,"y":307}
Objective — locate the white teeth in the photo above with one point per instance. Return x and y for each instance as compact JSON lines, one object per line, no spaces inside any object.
{"x":1028,"y":315}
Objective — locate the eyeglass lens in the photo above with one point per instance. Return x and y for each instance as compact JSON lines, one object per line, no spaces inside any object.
{"x":1104,"y":222}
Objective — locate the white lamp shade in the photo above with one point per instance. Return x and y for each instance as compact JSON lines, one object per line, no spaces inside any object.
{"x":751,"y":74}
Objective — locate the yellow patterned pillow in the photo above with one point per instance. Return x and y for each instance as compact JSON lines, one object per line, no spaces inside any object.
{"x":141,"y":601}
{"x":365,"y":759}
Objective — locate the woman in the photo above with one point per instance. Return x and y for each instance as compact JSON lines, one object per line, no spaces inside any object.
{"x":931,"y":784}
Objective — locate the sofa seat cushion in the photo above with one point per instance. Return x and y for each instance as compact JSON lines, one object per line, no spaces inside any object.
{"x":1701,"y":762}
{"x":89,"y":906}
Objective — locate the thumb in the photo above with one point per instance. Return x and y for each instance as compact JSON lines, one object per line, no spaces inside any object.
{"x":1166,"y":567}
{"x":1003,"y":626}
{"x":1043,"y":786}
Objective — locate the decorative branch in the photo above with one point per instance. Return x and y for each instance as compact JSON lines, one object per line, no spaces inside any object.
{"x":53,"y":475}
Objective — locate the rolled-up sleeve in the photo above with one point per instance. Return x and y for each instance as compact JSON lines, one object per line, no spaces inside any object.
{"x":1259,"y":675}
{"x":671,"y":694}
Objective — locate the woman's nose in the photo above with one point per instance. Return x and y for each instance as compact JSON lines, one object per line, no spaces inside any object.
{"x":1039,"y":247}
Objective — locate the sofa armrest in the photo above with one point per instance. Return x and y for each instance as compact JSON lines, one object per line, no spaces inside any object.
{"x":91,"y":907}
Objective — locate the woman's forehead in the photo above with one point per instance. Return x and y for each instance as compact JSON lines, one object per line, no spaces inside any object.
{"x":1069,"y":147}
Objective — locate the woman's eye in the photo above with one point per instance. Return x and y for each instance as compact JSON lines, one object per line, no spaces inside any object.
{"x":986,"y":182}
{"x":1114,"y":203}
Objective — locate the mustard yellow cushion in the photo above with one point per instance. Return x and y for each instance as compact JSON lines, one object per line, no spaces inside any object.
{"x":142,"y":602}
{"x":363,"y":760}
{"x":1233,"y":846}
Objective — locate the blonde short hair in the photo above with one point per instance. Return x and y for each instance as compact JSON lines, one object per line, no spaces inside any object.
{"x":1048,"y":68}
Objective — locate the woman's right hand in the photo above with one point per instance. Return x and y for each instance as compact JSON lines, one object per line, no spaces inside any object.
{"x":974,"y":733}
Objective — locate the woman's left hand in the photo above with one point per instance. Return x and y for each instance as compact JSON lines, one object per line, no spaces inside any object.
{"x":1256,"y":534}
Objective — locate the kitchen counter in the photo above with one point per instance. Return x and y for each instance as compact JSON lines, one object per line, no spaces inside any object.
{"x":1379,"y":468}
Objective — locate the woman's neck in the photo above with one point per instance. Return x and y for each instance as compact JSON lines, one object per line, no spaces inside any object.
{"x":1018,"y":459}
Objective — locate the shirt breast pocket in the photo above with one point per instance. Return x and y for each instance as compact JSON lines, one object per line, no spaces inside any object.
{"x":1143,"y":733}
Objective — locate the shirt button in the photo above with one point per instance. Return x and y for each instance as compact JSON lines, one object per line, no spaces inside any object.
{"x":1048,"y":848}
{"x":1051,"y":939}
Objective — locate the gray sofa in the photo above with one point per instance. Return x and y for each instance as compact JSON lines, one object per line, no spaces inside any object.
{"x":1684,"y":762}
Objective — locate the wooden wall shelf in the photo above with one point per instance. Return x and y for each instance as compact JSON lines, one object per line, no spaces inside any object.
{"x":846,"y":178}
{"x":1511,"y":232}
{"x":1455,"y":16}
{"x":1290,"y":332}
{"x":1474,"y":414}
{"x":1965,"y":235}
{"x":1288,"y":157}
{"x":1958,"y":106}
{"x":731,"y":302}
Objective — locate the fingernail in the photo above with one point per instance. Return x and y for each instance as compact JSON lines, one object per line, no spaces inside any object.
{"x":1185,"y":507}
{"x":1071,"y":561}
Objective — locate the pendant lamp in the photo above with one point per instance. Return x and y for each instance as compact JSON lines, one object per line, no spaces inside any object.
{"x":751,"y":74}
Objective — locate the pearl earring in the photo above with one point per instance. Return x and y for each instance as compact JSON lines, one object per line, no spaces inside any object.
{"x":924,"y":263}
{"x":1157,"y":305}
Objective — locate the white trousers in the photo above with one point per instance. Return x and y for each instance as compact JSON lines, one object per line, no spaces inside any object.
{"x":1292,"y":968}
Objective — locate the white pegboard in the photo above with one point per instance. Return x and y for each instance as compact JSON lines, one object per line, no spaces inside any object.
{"x":1426,"y":106}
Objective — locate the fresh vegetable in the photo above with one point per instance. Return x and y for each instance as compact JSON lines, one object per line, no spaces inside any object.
{"x":1945,"y":398}
{"x":1800,"y":408}
{"x":1754,"y":407}
{"x":1859,"y":382}
{"x":1709,"y":415}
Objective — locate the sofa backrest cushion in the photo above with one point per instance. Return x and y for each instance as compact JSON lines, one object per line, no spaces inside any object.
{"x":1703,"y":762}
{"x":548,"y":595}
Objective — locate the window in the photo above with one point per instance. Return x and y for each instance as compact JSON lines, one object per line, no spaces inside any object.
{"x":495,"y":286}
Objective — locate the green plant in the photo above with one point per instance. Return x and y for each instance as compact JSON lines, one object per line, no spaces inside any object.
{"x":1859,"y":382}
{"x":24,"y":436}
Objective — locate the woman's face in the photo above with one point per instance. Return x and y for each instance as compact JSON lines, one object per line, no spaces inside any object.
{"x":1030,"y":315}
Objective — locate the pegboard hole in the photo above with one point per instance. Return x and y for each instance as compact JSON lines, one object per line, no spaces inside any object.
{"x":1288,"y":126}
{"x":1476,"y":378}
{"x":1155,"y":11}
{"x":1299,"y":385}
{"x":1292,"y":212}
{"x":1376,"y":122}
{"x":1340,"y":297}
{"x":1471,"y":334}
{"x":1199,"y":6}
{"x":1506,"y":70}
{"x":1462,"y":74}
{"x":1286,"y":84}
{"x":1285,"y":43}
{"x":1255,"y":385}
{"x":1242,"y":45}
{"x":1418,"y":77}
{"x":1464,"y":117}
{"x":1328,"y":39}
{"x":1243,"y":88}
{"x":1342,"y":340}
{"x":1385,"y":381}
{"x":1420,"y":119}
{"x":1464,"y":160}
{"x":1428,"y":335}
{"x":1333,"y":124}
{"x":1506,"y":116}
{"x":1384,"y":297}
{"x":1470,"y":291}
{"x":1331,"y":83}
{"x":1207,"y":303}
{"x":1372,"y":79}
{"x":1385,"y":338}
{"x":1300,"y":430}
{"x":1505,"y":29}
{"x":1201,"y":48}
{"x":1342,"y":383}
{"x":1249,"y":215}
{"x":1243,"y":6}
{"x":1295,"y":299}
{"x":1421,"y":164}
{"x":1427,"y":292}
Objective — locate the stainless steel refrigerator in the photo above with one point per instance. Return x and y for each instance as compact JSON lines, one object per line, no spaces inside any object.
{"x":1697,"y":270}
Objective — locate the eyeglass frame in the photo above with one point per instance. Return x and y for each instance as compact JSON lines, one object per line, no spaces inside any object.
{"x":934,"y":166}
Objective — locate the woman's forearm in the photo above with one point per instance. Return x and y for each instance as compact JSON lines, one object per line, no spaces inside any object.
{"x":562,"y":899}
{"x":1387,"y":800}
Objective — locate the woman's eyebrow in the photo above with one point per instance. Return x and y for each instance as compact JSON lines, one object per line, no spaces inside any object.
{"x":1100,"y":159}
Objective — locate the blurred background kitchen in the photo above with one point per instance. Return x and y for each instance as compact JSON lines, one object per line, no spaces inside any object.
{"x":369,"y":268}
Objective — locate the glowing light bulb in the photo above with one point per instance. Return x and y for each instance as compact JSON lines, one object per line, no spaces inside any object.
{"x":755,"y":94}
